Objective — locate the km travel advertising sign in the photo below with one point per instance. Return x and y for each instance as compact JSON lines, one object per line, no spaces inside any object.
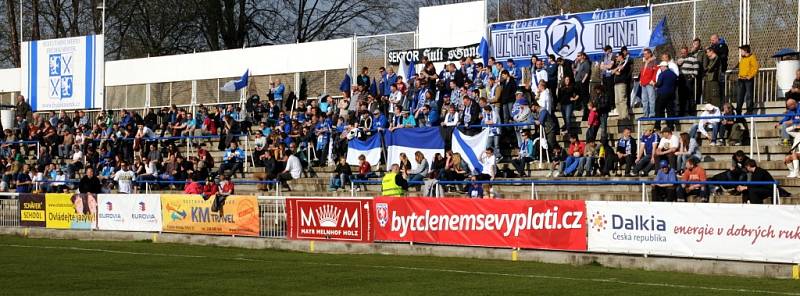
{"x":721,"y":231}
{"x":192,"y":214}
{"x":32,"y":210}
{"x":329,"y":219}
{"x":71,"y":211}
{"x":129,"y":212}
{"x":64,"y":73}
{"x":533,"y":224}
{"x":569,"y":34}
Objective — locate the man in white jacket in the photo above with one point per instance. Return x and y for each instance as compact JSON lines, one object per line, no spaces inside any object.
{"x":712,"y":123}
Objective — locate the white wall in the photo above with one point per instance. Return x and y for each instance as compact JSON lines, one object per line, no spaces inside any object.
{"x":9,"y":80}
{"x":265,"y":60}
{"x":452,"y":25}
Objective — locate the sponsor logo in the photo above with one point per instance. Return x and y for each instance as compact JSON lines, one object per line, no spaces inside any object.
{"x":638,"y":222}
{"x":60,"y":70}
{"x":175,"y":212}
{"x":598,"y":221}
{"x":328,"y":216}
{"x":142,"y":206}
{"x":383,"y":213}
{"x":109,"y":206}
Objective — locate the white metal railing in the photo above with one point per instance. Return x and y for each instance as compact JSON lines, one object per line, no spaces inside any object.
{"x":9,"y":209}
{"x":765,"y":86}
{"x":272,"y":212}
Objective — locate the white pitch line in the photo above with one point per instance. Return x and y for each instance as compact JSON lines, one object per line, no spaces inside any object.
{"x":468,"y":272}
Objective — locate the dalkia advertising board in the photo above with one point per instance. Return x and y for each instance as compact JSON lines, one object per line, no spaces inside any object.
{"x":329,"y":219}
{"x":722,"y":231}
{"x":533,"y":224}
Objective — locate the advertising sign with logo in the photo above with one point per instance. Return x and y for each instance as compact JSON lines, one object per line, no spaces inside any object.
{"x":71,"y":211}
{"x":532,"y":224}
{"x":32,"y":210}
{"x":129,"y":212}
{"x":569,"y":34}
{"x":65,"y":73}
{"x":329,"y":219}
{"x":766,"y":233}
{"x":185,"y":213}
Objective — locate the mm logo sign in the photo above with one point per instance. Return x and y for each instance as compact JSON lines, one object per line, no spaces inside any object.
{"x":328,"y":219}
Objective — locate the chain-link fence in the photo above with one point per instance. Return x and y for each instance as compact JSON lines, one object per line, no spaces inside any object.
{"x":371,"y":51}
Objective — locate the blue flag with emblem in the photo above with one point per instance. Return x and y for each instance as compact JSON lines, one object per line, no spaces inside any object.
{"x":471,"y":147}
{"x":483,"y":50}
{"x":659,"y":37}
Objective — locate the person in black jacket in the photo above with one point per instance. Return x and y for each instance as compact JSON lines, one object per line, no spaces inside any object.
{"x":89,"y":183}
{"x":756,"y":194}
{"x":507,"y":95}
{"x":472,"y":112}
{"x":622,"y":74}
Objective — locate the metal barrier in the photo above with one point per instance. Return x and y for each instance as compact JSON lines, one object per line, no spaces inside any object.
{"x":9,"y":210}
{"x":643,"y":183}
{"x":272,"y":211}
{"x":754,"y":147}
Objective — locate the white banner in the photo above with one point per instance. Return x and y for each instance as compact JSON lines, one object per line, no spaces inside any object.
{"x":765,"y":233}
{"x":64,"y":73}
{"x":130,"y":212}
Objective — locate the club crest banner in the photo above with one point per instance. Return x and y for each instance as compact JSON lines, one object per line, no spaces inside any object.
{"x":64,"y":73}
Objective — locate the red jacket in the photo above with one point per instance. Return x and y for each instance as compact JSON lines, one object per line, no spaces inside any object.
{"x":193,"y":188}
{"x":594,"y":118}
{"x":578,"y":146}
{"x":648,"y":74}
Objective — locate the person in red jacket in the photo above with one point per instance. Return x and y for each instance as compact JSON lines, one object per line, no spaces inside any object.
{"x":192,"y":187}
{"x":594,"y":122}
{"x":647,"y":80}
{"x":575,"y":152}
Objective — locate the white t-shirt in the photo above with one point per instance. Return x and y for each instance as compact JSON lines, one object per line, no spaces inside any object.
{"x":125,"y":180}
{"x":669,"y":143}
{"x":77,"y":156}
{"x":488,"y":163}
{"x":294,"y":167}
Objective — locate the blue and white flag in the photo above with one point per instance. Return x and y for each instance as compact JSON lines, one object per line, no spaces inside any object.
{"x":236,"y":85}
{"x":427,"y":140}
{"x":408,"y":69}
{"x":346,"y":81}
{"x":483,"y":50}
{"x":370,"y":148}
{"x":471,"y":147}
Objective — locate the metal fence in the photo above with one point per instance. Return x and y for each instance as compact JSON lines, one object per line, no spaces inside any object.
{"x":272,"y":211}
{"x":9,"y":210}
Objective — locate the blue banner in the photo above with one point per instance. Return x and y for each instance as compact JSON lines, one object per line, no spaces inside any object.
{"x":569,"y":34}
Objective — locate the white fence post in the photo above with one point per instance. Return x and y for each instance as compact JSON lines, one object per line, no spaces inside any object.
{"x":644,"y":192}
{"x":775,"y":199}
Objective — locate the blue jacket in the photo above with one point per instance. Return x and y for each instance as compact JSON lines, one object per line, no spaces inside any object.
{"x":666,"y":83}
{"x":278,"y":94}
{"x":791,"y":114}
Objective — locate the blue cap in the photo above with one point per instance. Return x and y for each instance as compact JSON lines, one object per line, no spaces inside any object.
{"x":664,"y":164}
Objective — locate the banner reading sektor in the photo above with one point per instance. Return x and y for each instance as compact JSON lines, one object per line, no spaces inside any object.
{"x":192,"y":214}
{"x":532,"y":224}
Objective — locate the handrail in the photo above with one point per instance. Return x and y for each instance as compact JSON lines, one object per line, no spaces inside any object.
{"x":711,"y":117}
{"x":643,"y":183}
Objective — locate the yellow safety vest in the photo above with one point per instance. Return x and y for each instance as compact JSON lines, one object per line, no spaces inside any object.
{"x":390,"y":188}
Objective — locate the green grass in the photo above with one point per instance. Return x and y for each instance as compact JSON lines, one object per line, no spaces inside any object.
{"x":65,"y":267}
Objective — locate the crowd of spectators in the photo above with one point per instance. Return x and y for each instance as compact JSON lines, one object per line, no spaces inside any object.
{"x":294,"y":134}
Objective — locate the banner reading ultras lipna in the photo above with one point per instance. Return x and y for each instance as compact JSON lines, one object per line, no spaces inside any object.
{"x":192,"y":214}
{"x":721,"y":231}
{"x":434,"y":54}
{"x":32,"y":210}
{"x":71,"y":211}
{"x":329,"y":219}
{"x":569,"y":34}
{"x":533,"y":224}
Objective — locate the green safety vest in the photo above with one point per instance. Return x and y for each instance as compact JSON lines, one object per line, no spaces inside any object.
{"x":390,"y":188}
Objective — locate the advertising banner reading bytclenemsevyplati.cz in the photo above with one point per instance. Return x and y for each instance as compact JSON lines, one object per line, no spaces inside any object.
{"x":533,"y":224}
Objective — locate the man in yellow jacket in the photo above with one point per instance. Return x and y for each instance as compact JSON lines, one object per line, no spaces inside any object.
{"x":748,"y":68}
{"x":393,"y":183}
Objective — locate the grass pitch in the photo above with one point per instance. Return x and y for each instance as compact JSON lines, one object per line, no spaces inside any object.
{"x":64,"y":267}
